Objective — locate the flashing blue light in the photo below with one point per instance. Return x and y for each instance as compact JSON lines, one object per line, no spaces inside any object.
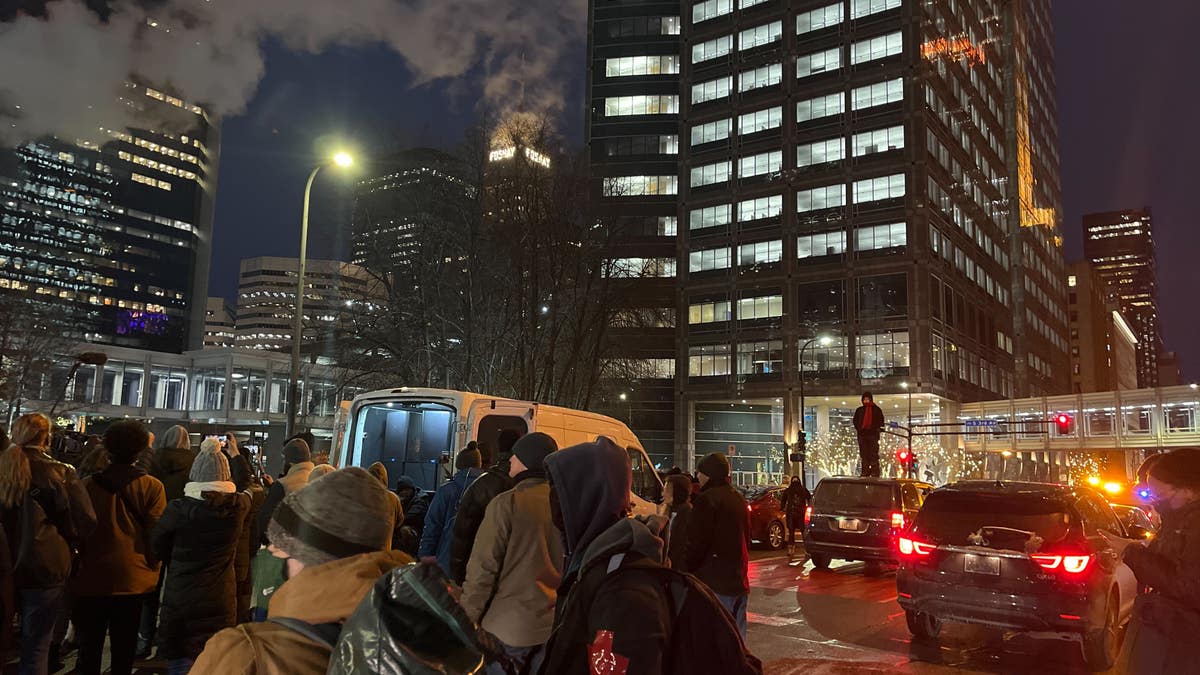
{"x":1144,"y":493}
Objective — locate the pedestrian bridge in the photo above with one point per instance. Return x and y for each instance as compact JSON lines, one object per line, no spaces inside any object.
{"x":1133,"y":419}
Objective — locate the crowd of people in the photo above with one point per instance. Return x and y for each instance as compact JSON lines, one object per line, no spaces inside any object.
{"x":220,"y":568}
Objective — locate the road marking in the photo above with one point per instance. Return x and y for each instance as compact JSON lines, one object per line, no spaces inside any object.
{"x":769,"y":620}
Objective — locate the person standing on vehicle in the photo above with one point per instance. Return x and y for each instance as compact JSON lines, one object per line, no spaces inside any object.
{"x":439,"y":520}
{"x":679,"y":500}
{"x":333,"y":535}
{"x":198,"y":538}
{"x":44,"y":512}
{"x":516,"y":562}
{"x":1166,"y":621}
{"x":718,"y":547}
{"x":474,"y":502}
{"x":117,"y":567}
{"x":795,"y":500}
{"x":868,"y":424}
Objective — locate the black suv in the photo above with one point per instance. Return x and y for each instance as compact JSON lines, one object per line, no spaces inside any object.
{"x":1017,"y":556}
{"x":860,"y":518}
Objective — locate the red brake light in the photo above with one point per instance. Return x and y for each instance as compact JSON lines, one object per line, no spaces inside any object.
{"x":1070,"y":564}
{"x":750,"y":508}
{"x":807,"y":515}
{"x":897,"y":521}
{"x":913,"y":547}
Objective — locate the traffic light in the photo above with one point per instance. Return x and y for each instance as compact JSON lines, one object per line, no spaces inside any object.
{"x":1065,"y":424}
{"x":904,"y":456}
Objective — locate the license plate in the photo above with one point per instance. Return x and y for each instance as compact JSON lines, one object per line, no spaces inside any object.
{"x":852,"y":524}
{"x":982,"y":564}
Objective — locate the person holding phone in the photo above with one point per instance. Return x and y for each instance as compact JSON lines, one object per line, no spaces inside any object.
{"x":1166,"y":619}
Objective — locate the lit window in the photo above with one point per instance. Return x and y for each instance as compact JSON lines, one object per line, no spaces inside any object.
{"x":760,"y":358}
{"x":876,"y":237}
{"x":641,"y":268}
{"x":820,"y":62}
{"x":880,"y":93}
{"x":709,"y":216}
{"x":823,"y":17}
{"x":827,"y":197}
{"x":879,"y":140}
{"x":881,"y":352}
{"x":710,"y":312}
{"x":821,"y":106}
{"x":760,"y":164}
{"x":760,"y":253}
{"x":821,"y":244}
{"x":707,"y":260}
{"x":641,"y":105}
{"x":762,"y":307}
{"x":712,"y":49}
{"x":708,"y":360}
{"x":875,"y":189}
{"x":763,"y":76}
{"x":627,"y":66}
{"x":710,"y":9}
{"x":710,"y":174}
{"x":760,"y":35}
{"x":711,"y":131}
{"x":876,"y":48}
{"x":712,"y":90}
{"x":861,"y":8}
{"x":760,"y":208}
{"x":820,"y":152}
{"x":640,"y":186}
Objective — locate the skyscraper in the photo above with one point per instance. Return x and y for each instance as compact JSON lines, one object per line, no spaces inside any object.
{"x":266,"y":307}
{"x":882,"y":173}
{"x":1103,"y":344}
{"x":220,"y":325}
{"x":117,"y":234}
{"x":1120,"y":246}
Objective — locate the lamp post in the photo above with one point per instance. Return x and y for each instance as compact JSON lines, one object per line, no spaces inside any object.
{"x":84,"y":359}
{"x":343,"y":160}
{"x":824,"y":341}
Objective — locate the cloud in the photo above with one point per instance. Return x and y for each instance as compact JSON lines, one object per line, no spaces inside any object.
{"x":66,"y":73}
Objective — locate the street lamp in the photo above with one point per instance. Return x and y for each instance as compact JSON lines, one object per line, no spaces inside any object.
{"x":341,"y":159}
{"x":824,"y":341}
{"x":84,"y":359}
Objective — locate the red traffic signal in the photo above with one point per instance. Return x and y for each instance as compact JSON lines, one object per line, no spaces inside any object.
{"x":1065,"y":424}
{"x":904,"y":455}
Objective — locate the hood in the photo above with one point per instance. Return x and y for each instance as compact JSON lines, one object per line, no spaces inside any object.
{"x":226,"y":503}
{"x":592,"y":482}
{"x":379,"y":471}
{"x":641,"y":536}
{"x":175,"y":437}
{"x":117,"y":476}
{"x":329,"y":593}
{"x":465,"y":477}
{"x":407,"y":482}
{"x":173,"y":460}
{"x":681,"y":489}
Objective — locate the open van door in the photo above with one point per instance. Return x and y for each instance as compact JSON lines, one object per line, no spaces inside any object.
{"x":488,"y":417}
{"x":647,"y":498}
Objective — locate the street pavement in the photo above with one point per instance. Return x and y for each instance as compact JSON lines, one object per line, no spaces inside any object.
{"x":803,"y":620}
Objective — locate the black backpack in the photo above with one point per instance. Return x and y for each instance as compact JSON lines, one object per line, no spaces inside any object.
{"x":704,"y":637}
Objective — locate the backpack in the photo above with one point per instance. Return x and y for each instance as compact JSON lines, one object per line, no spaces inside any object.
{"x":407,"y":623}
{"x":704,"y":637}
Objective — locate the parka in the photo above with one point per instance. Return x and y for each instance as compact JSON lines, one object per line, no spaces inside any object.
{"x":116,"y":559}
{"x":718,"y":552}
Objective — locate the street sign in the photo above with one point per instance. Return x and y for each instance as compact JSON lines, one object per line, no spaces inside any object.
{"x":893,"y":425}
{"x":980,"y":423}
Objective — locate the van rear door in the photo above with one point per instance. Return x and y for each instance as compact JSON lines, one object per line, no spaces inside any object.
{"x":409,"y":437}
{"x":490,"y":416}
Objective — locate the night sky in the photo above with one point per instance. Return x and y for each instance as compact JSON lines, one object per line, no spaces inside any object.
{"x":1127,"y":94}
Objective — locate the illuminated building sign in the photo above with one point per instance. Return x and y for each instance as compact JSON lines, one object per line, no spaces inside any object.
{"x":537,"y":157}
{"x":954,"y":49}
{"x":502,"y":154}
{"x":133,"y":322}
{"x":510,"y":152}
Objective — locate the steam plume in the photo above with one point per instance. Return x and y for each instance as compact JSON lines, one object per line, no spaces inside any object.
{"x":66,"y":73}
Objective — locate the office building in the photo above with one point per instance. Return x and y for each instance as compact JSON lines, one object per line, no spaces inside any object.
{"x":1169,"y":372}
{"x":1120,"y":246}
{"x":116,"y":234}
{"x":1103,"y":345}
{"x":220,"y":324}
{"x":266,"y":307}
{"x":417,"y":191}
{"x":882,"y":173}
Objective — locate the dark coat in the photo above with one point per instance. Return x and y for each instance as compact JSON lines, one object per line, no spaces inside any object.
{"x":440,"y":519}
{"x":117,"y":558}
{"x":1170,"y":566}
{"x":62,"y":516}
{"x":872,"y":431}
{"x":471,"y":507}
{"x":794,"y":500}
{"x":171,"y":467}
{"x":719,"y":552}
{"x":199,"y":540}
{"x":681,"y":520}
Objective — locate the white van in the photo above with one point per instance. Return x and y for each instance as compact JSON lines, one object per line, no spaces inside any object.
{"x":418,"y":432}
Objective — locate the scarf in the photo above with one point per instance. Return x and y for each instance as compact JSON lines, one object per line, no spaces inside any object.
{"x":195,"y":490}
{"x":867,"y":415}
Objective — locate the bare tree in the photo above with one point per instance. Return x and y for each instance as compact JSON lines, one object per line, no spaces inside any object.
{"x":36,"y":340}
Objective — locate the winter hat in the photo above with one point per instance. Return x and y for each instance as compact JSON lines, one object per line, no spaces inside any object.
{"x":469,"y":458}
{"x":175,"y":438}
{"x":344,"y":514}
{"x":296,"y":451}
{"x":210,"y":465}
{"x":715,"y":465}
{"x":533,"y":449}
{"x":320,"y":470}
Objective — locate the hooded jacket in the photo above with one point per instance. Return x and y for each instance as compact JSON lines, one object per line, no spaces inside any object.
{"x":295,"y":478}
{"x":171,"y":466}
{"x":326,"y":593}
{"x":116,"y":559}
{"x":439,"y":520}
{"x":516,"y":565}
{"x":66,"y":517}
{"x":471,"y":507}
{"x":199,"y":541}
{"x":379,"y":471}
{"x":626,"y":619}
{"x":719,"y":552}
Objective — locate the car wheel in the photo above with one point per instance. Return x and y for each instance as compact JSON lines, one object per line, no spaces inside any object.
{"x":776,"y":535}
{"x":820,"y":561}
{"x":923,"y":625}
{"x":1100,"y":647}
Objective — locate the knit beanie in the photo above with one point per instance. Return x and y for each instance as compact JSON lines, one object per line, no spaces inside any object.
{"x":715,"y":465}
{"x":533,"y":449}
{"x":344,"y":514}
{"x":296,"y":451}
{"x":210,"y":466}
{"x":468,"y":458}
{"x":320,"y":470}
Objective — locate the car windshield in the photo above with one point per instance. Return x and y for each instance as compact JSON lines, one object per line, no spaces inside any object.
{"x":1000,"y":521}
{"x":842,"y":495}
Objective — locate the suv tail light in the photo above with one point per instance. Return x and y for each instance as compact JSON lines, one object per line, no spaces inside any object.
{"x":807,"y":515}
{"x":897,"y":521}
{"x":1069,"y":564}
{"x":912,"y":547}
